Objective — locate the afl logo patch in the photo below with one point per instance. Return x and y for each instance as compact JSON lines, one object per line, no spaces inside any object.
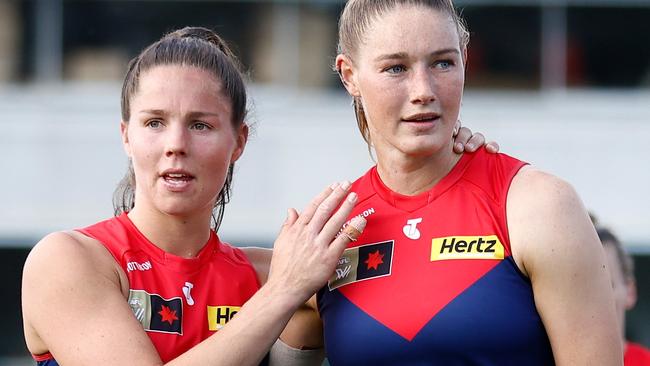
{"x":363,"y":263}
{"x":156,"y":313}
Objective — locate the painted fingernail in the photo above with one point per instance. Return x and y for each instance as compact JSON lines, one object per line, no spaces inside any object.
{"x":470,"y":146}
{"x":352,"y":197}
{"x":459,"y":146}
{"x":345,"y":185}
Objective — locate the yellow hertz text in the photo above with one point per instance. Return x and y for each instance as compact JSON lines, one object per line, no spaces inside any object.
{"x":466,"y":247}
{"x":218,"y":316}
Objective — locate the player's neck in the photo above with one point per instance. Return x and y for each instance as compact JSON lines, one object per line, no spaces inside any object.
{"x":410,"y":175}
{"x":181,"y":236}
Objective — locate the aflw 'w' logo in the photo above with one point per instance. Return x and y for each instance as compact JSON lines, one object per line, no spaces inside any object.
{"x":343,"y":272}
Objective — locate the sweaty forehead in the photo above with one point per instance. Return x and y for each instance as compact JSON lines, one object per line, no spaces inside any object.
{"x":192,"y":79}
{"x":175,"y":86}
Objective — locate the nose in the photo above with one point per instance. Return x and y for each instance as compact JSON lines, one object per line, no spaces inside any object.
{"x":176,"y":143}
{"x":422,"y":86}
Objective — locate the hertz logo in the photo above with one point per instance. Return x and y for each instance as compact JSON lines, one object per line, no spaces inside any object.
{"x":466,"y":247}
{"x":218,"y":316}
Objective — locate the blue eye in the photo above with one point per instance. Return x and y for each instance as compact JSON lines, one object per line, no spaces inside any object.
{"x":444,"y":64}
{"x":199,"y":126}
{"x":396,"y":69}
{"x":154,"y":123}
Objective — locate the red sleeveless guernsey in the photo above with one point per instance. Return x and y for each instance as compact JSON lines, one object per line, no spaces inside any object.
{"x":431,"y":281}
{"x":179,"y":301}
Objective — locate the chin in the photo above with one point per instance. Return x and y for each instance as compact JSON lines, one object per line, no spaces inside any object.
{"x":424,"y":149}
{"x":176,"y":207}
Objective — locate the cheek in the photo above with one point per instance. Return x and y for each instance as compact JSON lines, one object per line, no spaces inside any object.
{"x":450,"y":95}
{"x":451,"y":89}
{"x":145,"y":151}
{"x":215,"y":154}
{"x":142,"y":149}
{"x":382,"y":99}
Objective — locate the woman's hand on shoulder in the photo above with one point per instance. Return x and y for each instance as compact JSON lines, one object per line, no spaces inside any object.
{"x":466,"y":141}
{"x":555,"y":244}
{"x":75,"y":308}
{"x":308,"y":248}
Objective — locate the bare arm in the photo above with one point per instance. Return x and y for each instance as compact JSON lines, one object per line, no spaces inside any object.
{"x":554,"y":243}
{"x":303,"y":334}
{"x":304,"y":331}
{"x":74,"y":305}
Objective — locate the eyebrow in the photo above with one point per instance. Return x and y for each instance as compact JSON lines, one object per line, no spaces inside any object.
{"x":191,"y":115}
{"x":403,"y":55}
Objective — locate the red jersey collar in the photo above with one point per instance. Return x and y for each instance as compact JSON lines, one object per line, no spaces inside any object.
{"x":412,"y":203}
{"x":172,"y":261}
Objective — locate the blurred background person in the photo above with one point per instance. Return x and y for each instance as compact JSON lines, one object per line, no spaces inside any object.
{"x":621,"y":270}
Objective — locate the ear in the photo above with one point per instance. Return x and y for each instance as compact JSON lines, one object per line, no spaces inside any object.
{"x":348,"y":74}
{"x":242,"y":138}
{"x":630,"y":293}
{"x":124,"y":132}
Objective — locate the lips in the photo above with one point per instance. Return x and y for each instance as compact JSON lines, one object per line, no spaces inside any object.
{"x":176,"y":180}
{"x":422,"y":117}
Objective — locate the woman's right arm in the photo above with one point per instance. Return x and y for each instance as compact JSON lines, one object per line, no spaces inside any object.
{"x":73,"y":301}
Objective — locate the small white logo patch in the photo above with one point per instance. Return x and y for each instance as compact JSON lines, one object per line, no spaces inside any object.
{"x":410,"y":230}
{"x":186,"y":291}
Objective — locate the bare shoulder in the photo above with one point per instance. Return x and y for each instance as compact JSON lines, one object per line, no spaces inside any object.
{"x":69,"y":254}
{"x":545,"y":218}
{"x":541,"y":188}
{"x":70,"y":281}
{"x":260,"y":258}
{"x":539,"y":197}
{"x":61,"y":263}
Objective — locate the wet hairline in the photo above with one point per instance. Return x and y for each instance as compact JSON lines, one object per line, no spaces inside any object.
{"x":219,"y":93}
{"x":373,"y":20}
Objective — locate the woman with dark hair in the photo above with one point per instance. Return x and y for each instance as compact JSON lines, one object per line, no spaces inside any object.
{"x":183,"y":111}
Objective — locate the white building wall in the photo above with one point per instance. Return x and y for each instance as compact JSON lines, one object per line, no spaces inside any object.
{"x":62,"y":155}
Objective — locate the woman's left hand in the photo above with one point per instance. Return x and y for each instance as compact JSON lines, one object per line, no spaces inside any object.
{"x":465,"y":140}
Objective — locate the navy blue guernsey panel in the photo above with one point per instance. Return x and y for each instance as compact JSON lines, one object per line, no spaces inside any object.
{"x":482,"y":326}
